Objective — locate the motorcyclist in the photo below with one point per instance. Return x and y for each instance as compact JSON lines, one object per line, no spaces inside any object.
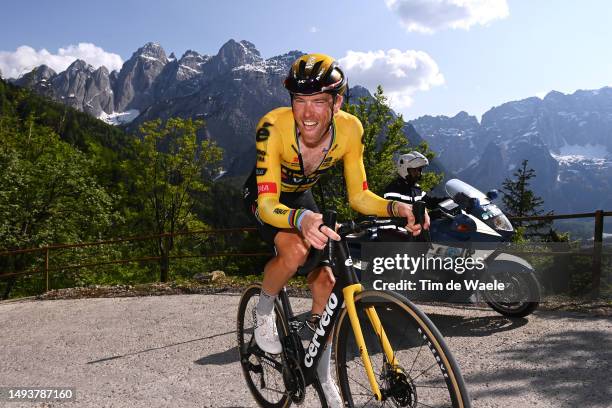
{"x":405,"y":187}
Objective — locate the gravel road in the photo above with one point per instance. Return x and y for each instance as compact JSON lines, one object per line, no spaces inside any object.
{"x":179,"y":351}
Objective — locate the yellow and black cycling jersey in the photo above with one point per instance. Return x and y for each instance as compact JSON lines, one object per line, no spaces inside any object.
{"x":280,"y":168}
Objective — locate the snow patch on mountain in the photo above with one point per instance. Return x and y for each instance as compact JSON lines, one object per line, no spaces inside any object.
{"x":251,"y":68}
{"x":119,"y":118}
{"x":596,"y":153}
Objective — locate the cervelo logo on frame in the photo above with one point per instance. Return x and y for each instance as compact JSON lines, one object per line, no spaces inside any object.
{"x":313,"y":347}
{"x":266,"y":188}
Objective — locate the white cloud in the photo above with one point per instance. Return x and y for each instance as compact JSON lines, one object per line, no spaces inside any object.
{"x":313,"y":29}
{"x":427,"y":16}
{"x":26,"y":58}
{"x":401,"y":73}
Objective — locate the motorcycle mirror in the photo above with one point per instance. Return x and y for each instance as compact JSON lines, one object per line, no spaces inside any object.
{"x":493,"y":194}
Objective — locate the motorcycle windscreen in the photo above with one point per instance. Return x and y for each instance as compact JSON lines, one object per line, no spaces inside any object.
{"x":456,"y":186}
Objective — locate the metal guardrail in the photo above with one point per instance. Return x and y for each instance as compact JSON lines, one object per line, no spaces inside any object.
{"x":46,"y":250}
{"x":597,"y":240}
{"x":596,"y":271}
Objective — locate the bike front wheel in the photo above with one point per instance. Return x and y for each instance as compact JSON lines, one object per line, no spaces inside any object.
{"x":421,"y":373}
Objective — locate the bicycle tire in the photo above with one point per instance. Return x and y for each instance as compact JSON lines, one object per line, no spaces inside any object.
{"x":273,"y":394}
{"x":428,"y":374}
{"x":276,"y":396}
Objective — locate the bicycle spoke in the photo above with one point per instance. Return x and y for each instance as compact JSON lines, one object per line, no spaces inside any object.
{"x":415,"y":379}
{"x":362,"y":386}
{"x":416,"y":358}
{"x":358,"y":361}
{"x":425,"y":405}
{"x":424,"y":371}
{"x":431,"y":386}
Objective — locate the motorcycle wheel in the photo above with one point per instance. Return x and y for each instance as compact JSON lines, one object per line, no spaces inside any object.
{"x":523,"y":296}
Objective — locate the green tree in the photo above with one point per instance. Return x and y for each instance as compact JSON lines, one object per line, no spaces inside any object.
{"x":170,"y":168}
{"x":384,"y":139}
{"x":48,"y":192}
{"x":520,"y":201}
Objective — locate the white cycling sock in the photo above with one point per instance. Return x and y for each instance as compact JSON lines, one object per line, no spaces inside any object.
{"x":266,"y":303}
{"x":324,"y":363}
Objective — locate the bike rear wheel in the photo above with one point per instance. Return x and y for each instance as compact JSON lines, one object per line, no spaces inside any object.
{"x":425,"y":373}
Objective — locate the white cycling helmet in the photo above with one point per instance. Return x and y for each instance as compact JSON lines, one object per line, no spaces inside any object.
{"x":412,"y":160}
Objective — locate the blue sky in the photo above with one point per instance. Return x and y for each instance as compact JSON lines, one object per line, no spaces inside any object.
{"x":450,"y":55}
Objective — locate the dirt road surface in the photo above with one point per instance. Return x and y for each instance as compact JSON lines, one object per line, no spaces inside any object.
{"x":179,"y":351}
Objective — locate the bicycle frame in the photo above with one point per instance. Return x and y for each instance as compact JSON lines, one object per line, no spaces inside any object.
{"x":347,"y":286}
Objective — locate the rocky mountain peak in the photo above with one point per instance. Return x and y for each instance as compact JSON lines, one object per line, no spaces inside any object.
{"x":44,"y":72}
{"x":79,"y":65}
{"x":553,"y":95}
{"x":233,"y":54}
{"x":191,"y":55}
{"x":133,"y":86}
{"x":280,"y":64}
{"x":152,"y":50}
{"x":102,"y":71}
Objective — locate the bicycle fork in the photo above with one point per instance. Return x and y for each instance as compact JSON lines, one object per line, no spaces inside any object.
{"x":349,"y":299}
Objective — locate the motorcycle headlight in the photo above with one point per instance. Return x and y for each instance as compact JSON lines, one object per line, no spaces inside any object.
{"x":502,"y":223}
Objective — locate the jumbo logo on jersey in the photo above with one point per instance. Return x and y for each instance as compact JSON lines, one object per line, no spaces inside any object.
{"x":313,"y":347}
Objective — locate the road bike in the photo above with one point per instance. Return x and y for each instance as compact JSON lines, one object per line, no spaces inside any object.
{"x":387,"y":351}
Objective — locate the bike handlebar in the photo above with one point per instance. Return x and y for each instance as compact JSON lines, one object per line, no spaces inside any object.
{"x":344,"y":229}
{"x":315,"y":255}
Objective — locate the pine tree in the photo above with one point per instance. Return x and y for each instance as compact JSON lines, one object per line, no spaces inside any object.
{"x":520,"y":201}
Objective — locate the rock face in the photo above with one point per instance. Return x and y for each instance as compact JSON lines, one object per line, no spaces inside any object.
{"x":453,"y":139}
{"x":566,"y":138}
{"x":134,"y":85}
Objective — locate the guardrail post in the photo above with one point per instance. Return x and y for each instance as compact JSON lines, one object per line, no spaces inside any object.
{"x":597,"y":246}
{"x":46,"y":269}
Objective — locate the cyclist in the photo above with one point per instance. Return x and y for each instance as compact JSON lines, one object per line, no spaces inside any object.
{"x":295,"y":145}
{"x":405,"y":187}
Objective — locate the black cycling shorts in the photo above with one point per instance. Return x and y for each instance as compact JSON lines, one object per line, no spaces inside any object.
{"x":303,"y":199}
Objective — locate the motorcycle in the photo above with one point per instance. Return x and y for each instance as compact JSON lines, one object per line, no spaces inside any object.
{"x":468,"y":225}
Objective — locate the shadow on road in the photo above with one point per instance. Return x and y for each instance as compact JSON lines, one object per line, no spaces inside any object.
{"x":226,"y":357}
{"x":459,"y":326}
{"x":573,"y":368}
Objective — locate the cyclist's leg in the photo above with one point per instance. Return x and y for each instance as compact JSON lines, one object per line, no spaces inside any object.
{"x":291,"y":252}
{"x":321,"y":282}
